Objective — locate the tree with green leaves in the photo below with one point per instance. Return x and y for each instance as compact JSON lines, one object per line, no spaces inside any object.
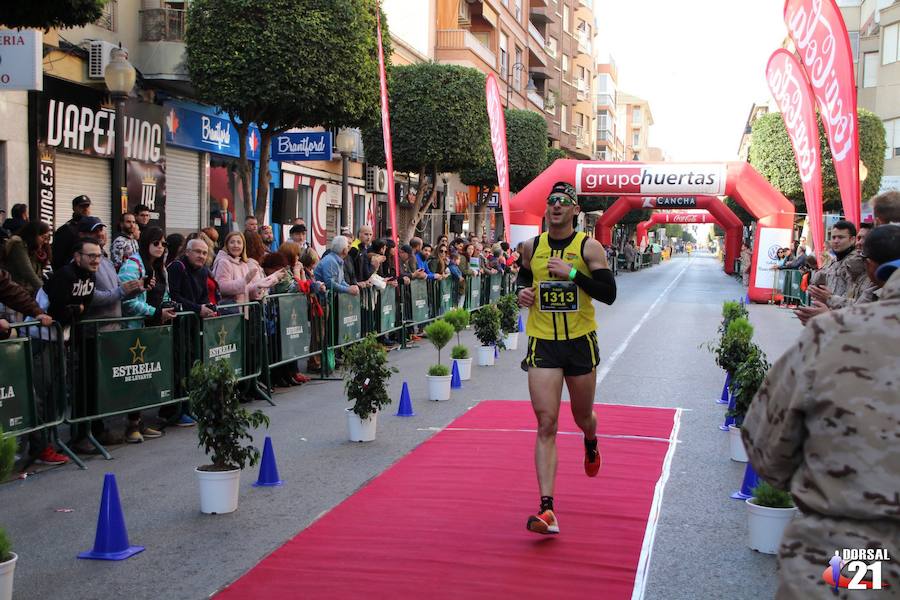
{"x":49,"y":14}
{"x":772,"y":155}
{"x":282,"y":64}
{"x":439,"y":124}
{"x":526,"y":147}
{"x":554,"y":154}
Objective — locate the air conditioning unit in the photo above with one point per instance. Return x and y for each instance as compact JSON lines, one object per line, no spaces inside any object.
{"x":99,"y":58}
{"x":376,"y":180}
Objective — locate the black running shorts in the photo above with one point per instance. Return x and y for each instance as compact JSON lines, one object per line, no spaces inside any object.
{"x":575,"y":357}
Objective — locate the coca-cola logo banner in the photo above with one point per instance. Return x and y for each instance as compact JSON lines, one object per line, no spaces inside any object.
{"x":788,"y":84}
{"x":661,"y":179}
{"x":823,"y":45}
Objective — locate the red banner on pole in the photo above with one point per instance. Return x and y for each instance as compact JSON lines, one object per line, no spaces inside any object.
{"x":823,"y":44}
{"x":498,"y":143}
{"x":792,"y":92}
{"x":389,"y":157}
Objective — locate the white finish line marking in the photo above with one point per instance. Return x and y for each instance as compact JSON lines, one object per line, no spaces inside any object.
{"x":640,"y":578}
{"x":621,"y":348}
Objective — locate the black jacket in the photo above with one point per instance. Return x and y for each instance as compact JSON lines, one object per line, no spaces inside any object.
{"x":187,"y":285}
{"x":70,"y":292}
{"x":63,"y":241}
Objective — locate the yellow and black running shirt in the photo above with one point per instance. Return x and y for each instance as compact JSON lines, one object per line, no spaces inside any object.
{"x":561,"y":309}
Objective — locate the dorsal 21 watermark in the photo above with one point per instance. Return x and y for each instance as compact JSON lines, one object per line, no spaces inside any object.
{"x":859,"y":562}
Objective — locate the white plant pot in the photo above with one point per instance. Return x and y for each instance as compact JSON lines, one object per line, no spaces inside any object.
{"x":485,"y":356}
{"x":7,"y":570}
{"x":361,"y":430}
{"x":219,"y":491}
{"x":512,"y":341}
{"x":738,"y":452}
{"x":766,"y":526}
{"x":439,"y":387}
{"x":465,"y":368}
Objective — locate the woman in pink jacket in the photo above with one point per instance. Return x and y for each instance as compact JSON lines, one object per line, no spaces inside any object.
{"x":240,"y":279}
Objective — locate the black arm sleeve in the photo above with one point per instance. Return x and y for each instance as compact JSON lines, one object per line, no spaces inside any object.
{"x":600,"y":286}
{"x":525,"y":278}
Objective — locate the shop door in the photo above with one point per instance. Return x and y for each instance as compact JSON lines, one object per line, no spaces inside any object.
{"x":182,"y":191}
{"x":77,"y":175}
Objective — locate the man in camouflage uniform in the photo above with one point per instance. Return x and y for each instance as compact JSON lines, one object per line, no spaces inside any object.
{"x":826,"y":425}
{"x":837,"y":276}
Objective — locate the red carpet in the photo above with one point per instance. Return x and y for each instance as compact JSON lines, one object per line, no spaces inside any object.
{"x":448,"y":520}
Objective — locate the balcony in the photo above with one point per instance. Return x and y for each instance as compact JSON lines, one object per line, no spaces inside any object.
{"x":580,"y":138}
{"x":582,"y":87}
{"x":536,"y":99}
{"x":605,"y":134}
{"x":550,"y":102}
{"x":606,"y":100}
{"x":536,"y":35}
{"x":162,"y":24}
{"x":462,"y":39}
{"x":540,"y":14}
{"x":584,"y":43}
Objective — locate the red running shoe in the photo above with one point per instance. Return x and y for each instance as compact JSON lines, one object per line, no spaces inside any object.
{"x":544,"y":523}
{"x":49,"y":456}
{"x":300,"y":378}
{"x":592,"y":462}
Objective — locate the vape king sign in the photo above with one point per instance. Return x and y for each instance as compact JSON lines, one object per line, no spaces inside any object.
{"x":669,"y":179}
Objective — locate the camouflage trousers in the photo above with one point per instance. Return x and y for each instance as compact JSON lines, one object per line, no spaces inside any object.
{"x":810,"y":541}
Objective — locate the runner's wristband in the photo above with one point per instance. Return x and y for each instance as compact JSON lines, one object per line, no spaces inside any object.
{"x":573,"y":273}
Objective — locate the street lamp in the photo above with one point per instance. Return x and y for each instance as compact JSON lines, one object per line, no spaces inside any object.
{"x":515,"y":68}
{"x":119,"y":76}
{"x":345,"y":143}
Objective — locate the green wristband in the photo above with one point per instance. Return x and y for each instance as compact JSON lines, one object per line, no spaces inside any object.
{"x":573,"y":273}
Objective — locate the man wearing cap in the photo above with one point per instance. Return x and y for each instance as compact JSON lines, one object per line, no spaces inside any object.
{"x":108,"y":292}
{"x":563,"y":271}
{"x":298,"y":236}
{"x":65,"y":237}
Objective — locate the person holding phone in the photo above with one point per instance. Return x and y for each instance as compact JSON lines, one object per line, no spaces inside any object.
{"x":240,"y":280}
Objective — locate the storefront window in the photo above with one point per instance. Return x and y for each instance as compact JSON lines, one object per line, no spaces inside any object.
{"x":226,"y":199}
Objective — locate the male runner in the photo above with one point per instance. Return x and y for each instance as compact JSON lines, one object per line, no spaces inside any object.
{"x":562,"y":270}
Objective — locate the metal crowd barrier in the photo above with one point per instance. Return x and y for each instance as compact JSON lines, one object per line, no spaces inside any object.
{"x":791,"y":280}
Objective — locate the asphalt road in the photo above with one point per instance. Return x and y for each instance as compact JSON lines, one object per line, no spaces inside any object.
{"x":650,"y":342}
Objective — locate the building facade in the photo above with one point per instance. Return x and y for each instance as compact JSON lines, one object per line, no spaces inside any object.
{"x":609,"y":145}
{"x":634,"y":113}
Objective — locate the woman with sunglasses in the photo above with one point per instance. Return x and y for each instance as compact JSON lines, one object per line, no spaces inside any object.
{"x":563,"y":271}
{"x":148,"y":265}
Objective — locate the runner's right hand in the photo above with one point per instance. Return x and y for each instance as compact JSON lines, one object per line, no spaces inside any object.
{"x":526,"y":297}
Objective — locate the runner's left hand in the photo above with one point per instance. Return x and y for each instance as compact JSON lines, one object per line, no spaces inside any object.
{"x":559,"y":268}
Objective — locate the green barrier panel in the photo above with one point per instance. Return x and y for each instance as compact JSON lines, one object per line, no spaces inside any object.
{"x":134,"y":368}
{"x":348,"y":326}
{"x":446,"y":296}
{"x":473,"y":292}
{"x":387,"y":315}
{"x":419,"y":292}
{"x":17,"y":411}
{"x":495,"y":281}
{"x":223,"y":339}
{"x":293,"y":324}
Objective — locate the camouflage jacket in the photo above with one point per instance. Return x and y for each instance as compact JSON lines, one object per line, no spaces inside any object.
{"x":826,"y":422}
{"x":861,"y":291}
{"x":839,"y":275}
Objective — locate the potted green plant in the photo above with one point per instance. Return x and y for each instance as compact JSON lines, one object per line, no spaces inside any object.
{"x":734,"y":345}
{"x":732,"y":310}
{"x":486,"y":321}
{"x":768,"y":513}
{"x":459,"y":319}
{"x":366,"y":375}
{"x":222,"y":425}
{"x":747,"y":379}
{"x":439,"y":333}
{"x":8,"y":558}
{"x":509,"y":320}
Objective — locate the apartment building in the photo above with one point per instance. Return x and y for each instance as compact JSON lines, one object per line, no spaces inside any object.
{"x":874,"y":27}
{"x":609,"y":145}
{"x":756,"y":111}
{"x":635,"y":119}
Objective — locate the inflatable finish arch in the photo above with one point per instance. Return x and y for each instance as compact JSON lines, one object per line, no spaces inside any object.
{"x":733,"y":231}
{"x":774,"y":213}
{"x":721,"y":215}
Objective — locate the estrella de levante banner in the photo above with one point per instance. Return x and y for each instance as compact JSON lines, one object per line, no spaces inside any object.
{"x":386,"y":131}
{"x":788,"y":84}
{"x":823,"y":45}
{"x":498,"y":143}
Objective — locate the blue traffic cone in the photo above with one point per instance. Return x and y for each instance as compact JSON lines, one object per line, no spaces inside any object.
{"x":455,"y":381}
{"x":111,"y":540}
{"x":496,"y":352}
{"x":521,"y":324}
{"x":751,"y":480}
{"x":268,"y":470}
{"x":747,"y":298}
{"x":729,"y":420}
{"x":724,"y":398}
{"x":405,"y":409}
